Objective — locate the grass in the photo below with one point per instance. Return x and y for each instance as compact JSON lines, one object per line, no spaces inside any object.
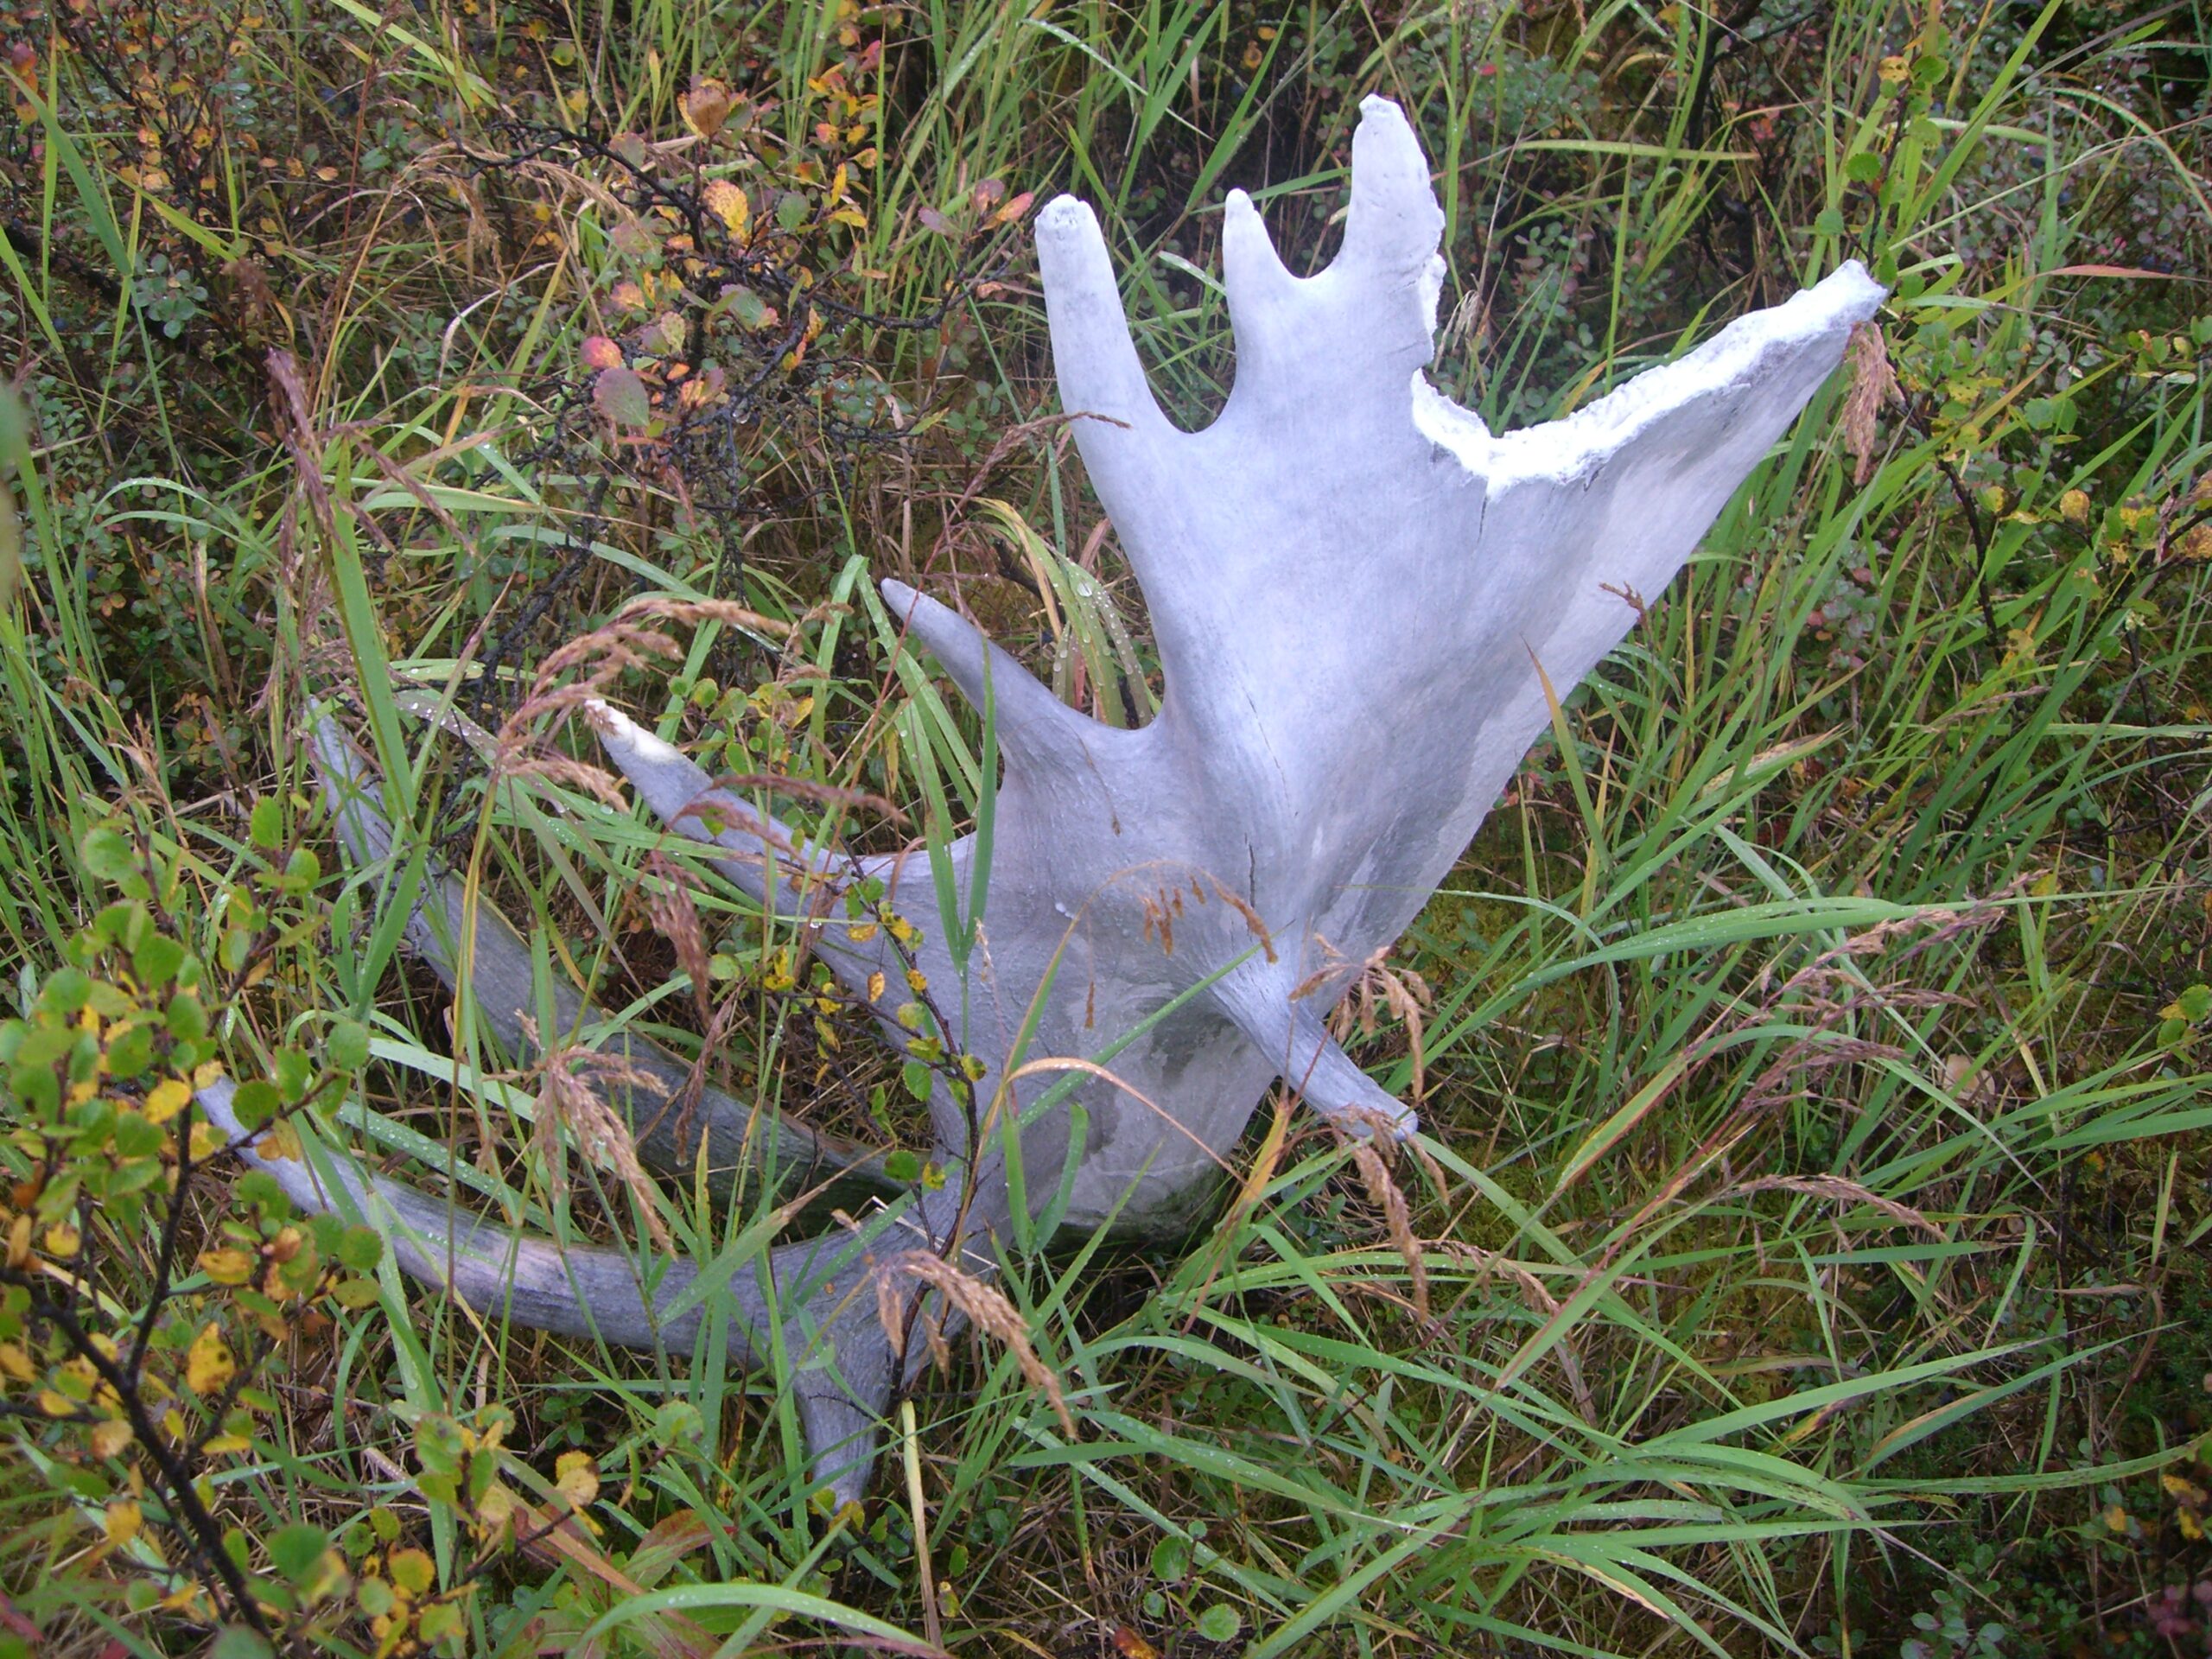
{"x":1810,"y":1240}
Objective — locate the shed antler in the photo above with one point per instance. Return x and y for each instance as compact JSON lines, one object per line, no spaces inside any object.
{"x":1361,"y":598}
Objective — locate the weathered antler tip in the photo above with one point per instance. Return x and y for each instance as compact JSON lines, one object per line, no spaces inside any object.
{"x":1093,"y":357}
{"x":1850,"y":287}
{"x":1037,"y":730}
{"x":1064,"y":213}
{"x":1395,"y":223}
{"x":1256,"y":281}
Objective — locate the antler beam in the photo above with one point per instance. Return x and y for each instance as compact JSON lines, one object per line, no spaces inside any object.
{"x":1363,"y":599}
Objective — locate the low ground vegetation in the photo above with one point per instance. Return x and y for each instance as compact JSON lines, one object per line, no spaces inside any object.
{"x":1808,"y":1250}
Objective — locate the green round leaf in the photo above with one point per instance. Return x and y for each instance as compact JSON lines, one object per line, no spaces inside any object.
{"x":1220,"y":1622}
{"x":256,"y":1101}
{"x":66,"y":990}
{"x":346,"y":1046}
{"x":107,"y":852}
{"x":1171,"y":1560}
{"x":293,"y":1551}
{"x":236,"y":1642}
{"x":187,"y":1020}
{"x":679,"y":1423}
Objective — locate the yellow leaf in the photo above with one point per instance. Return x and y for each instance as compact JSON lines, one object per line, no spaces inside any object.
{"x":223,"y":1443}
{"x":122,"y":1521}
{"x":110,"y":1438}
{"x":875,"y":983}
{"x":412,"y":1571}
{"x":2116,"y":1518}
{"x":227,"y":1266}
{"x":576,"y":1478}
{"x":2074,"y":507}
{"x":2191,"y":1528}
{"x":495,"y":1507}
{"x":62,"y":1241}
{"x":730,"y":205}
{"x":167,"y":1098}
{"x":282,"y":1141}
{"x":208,"y":1365}
{"x":17,"y":1364}
{"x":181,"y":1601}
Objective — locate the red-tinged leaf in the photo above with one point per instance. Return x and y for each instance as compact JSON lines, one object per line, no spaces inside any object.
{"x":660,"y":1550}
{"x":933,"y":220}
{"x":619,"y":394}
{"x":1014,"y":209}
{"x":1129,"y":1645}
{"x":601,"y":353}
{"x":989,"y":191}
{"x":629,"y":146}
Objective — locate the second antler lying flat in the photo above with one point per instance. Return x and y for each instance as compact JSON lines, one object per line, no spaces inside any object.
{"x":1363,"y":601}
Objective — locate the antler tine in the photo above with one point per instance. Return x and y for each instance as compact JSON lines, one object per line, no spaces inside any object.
{"x":1618,"y":493}
{"x":1129,"y":446}
{"x":1310,"y":1060}
{"x":1094,"y":357}
{"x":770,"y":861}
{"x":1038,"y":733}
{"x":449,"y":929}
{"x":1263,"y":307}
{"x":840,"y":1364}
{"x":1391,"y":239}
{"x":1394,"y":223}
{"x":690,"y":802}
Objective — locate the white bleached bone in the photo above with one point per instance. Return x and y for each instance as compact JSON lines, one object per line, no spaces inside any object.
{"x":1359,"y":594}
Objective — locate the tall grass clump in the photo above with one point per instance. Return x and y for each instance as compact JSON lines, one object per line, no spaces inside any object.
{"x":1807,"y":1253}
